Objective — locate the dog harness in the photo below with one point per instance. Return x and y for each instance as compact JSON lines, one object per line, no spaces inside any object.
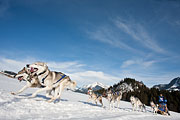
{"x":43,"y":79}
{"x":62,"y":76}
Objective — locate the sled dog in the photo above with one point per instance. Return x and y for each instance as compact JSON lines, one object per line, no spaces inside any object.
{"x":94,"y":97}
{"x":137,"y":103}
{"x":31,"y":81}
{"x":113,"y":97}
{"x":50,"y":79}
{"x":154,"y":107}
{"x":24,"y":74}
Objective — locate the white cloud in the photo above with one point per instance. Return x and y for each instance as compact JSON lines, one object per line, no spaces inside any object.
{"x":12,"y":65}
{"x":138,"y":62}
{"x":112,"y":35}
{"x":128,"y":63}
{"x":88,"y":77}
{"x":84,"y":76}
{"x":16,"y":65}
{"x":72,"y":68}
{"x":108,"y":35}
{"x":139,"y":34}
{"x":66,"y":66}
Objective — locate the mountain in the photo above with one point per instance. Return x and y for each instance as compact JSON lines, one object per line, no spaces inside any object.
{"x":128,"y":85}
{"x":173,"y":85}
{"x":95,"y":86}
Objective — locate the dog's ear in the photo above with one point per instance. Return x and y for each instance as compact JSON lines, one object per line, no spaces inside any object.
{"x":25,"y":69}
{"x":45,"y":64}
{"x":27,"y":65}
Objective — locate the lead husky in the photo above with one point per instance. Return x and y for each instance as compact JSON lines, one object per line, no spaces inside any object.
{"x":113,"y":97}
{"x":137,"y":103}
{"x":95,"y":97}
{"x":50,"y":79}
{"x":31,"y":81}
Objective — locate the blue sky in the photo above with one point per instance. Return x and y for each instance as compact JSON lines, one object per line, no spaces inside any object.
{"x":93,"y":40}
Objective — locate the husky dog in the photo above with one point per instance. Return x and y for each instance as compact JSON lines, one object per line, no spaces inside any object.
{"x":24,"y":74}
{"x":112,"y":97}
{"x":95,"y":97}
{"x":31,"y":81}
{"x":137,"y":103}
{"x":50,"y":79}
{"x":154,"y":107}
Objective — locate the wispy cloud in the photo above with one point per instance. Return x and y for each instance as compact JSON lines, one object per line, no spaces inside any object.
{"x":114,"y":35}
{"x":71,"y":66}
{"x":109,"y":35}
{"x":139,"y":34}
{"x":138,"y":62}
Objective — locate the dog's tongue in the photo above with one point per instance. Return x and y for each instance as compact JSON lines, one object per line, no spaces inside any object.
{"x":32,"y":70}
{"x":20,"y":78}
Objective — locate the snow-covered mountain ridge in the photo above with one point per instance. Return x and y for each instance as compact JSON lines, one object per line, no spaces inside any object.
{"x":95,"y":86}
{"x":173,"y":85}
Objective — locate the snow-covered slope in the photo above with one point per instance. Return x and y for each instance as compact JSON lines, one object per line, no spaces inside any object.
{"x":73,"y":106}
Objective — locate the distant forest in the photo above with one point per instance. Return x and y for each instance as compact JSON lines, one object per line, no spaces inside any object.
{"x":146,"y":94}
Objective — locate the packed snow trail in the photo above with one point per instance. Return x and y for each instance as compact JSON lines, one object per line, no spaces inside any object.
{"x":73,"y":106}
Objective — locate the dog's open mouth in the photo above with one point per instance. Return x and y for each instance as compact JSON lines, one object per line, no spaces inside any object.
{"x":20,"y":78}
{"x":33,"y":69}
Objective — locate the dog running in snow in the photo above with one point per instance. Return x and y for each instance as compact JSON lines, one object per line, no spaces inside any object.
{"x":50,"y":79}
{"x":113,"y":97}
{"x":154,"y":107}
{"x":94,"y":97}
{"x":31,"y":82}
{"x":137,"y":103}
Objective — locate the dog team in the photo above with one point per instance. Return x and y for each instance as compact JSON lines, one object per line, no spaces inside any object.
{"x":38,"y":75}
{"x":114,"y":97}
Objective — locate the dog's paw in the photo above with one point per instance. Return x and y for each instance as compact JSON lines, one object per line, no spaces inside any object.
{"x":49,"y":96}
{"x":51,"y":100}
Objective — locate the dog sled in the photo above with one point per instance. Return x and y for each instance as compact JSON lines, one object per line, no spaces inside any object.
{"x":162,"y":109}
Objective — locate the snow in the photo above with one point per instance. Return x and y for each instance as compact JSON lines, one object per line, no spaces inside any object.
{"x":94,"y":85}
{"x":175,"y":85}
{"x":125,"y":87}
{"x":73,"y":106}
